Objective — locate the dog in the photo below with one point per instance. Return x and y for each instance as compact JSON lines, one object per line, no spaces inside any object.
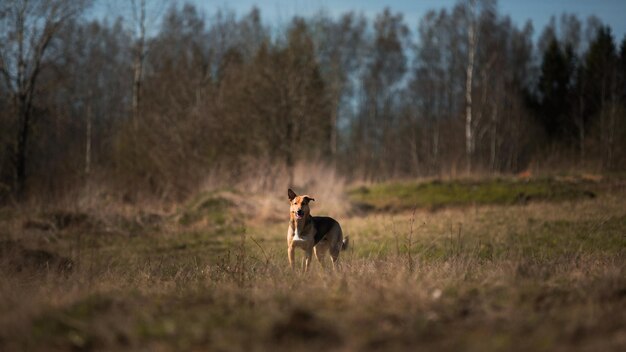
{"x":312,"y":233}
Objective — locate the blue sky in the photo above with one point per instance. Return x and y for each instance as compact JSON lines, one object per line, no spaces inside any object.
{"x":612,"y":12}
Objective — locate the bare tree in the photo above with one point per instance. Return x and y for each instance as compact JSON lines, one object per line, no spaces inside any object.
{"x":381,"y":80}
{"x":143,"y":17}
{"x":340,"y":46}
{"x":28,"y":28}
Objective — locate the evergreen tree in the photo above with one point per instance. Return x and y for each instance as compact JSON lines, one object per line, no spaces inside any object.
{"x":600,"y":66}
{"x":621,"y":70}
{"x":555,"y":88}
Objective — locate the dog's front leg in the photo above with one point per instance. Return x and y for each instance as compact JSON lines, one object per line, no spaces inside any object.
{"x":291,"y":253}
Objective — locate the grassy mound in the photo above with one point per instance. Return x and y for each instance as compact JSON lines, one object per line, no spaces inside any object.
{"x":209,"y":209}
{"x":436,"y":194}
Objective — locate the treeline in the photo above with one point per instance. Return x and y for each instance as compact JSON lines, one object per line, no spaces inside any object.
{"x":155,"y":110}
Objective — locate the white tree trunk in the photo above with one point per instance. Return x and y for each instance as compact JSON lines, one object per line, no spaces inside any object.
{"x":139,"y":13}
{"x":471,"y":52}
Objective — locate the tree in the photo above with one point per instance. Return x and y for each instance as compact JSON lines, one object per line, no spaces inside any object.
{"x":601,"y":80}
{"x":516,"y":119}
{"x":620,"y":136}
{"x":470,"y":139}
{"x":476,"y":13}
{"x":555,"y":88}
{"x":340,"y":47}
{"x":306,"y":111}
{"x":622,"y":70}
{"x":139,"y":54}
{"x":275,"y":107}
{"x":381,"y":81}
{"x":427,"y":89}
{"x":28,"y":28}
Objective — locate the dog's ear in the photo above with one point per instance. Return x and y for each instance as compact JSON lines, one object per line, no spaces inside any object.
{"x":307,"y":199}
{"x":291,"y":194}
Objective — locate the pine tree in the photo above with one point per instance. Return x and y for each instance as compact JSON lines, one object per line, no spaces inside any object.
{"x":555,"y":88}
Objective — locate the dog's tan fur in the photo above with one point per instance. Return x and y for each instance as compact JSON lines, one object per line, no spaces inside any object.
{"x":312,"y":233}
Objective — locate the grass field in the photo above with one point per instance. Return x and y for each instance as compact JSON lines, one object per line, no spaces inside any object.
{"x":485,"y":265}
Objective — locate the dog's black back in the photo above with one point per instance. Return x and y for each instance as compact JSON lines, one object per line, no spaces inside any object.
{"x":322,"y":225}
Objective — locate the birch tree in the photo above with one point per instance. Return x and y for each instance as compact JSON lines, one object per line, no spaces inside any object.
{"x":470,"y":141}
{"x":139,"y":54}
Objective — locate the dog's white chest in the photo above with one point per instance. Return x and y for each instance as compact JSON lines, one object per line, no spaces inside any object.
{"x":299,"y":239}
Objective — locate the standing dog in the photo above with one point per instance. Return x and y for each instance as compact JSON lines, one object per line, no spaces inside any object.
{"x":319,"y":233}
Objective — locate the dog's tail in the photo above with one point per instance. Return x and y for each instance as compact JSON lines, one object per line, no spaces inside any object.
{"x":345,"y":242}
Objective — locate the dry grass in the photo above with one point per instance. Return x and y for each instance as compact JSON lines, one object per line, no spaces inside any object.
{"x":261,"y":194}
{"x":542,"y":276}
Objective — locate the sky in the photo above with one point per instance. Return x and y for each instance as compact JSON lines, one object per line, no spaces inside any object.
{"x":611,"y":12}
{"x":277,"y":12}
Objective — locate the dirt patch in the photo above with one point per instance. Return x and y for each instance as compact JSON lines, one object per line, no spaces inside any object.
{"x":60,"y":220}
{"x":17,"y":258}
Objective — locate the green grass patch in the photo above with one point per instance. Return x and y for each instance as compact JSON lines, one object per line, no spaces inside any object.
{"x":208,"y":207}
{"x":563,"y":238}
{"x":543,"y":243}
{"x":435,"y":194}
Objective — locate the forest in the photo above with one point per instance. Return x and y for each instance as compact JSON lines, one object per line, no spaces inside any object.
{"x":153,"y":102}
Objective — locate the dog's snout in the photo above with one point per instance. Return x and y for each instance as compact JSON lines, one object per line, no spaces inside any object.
{"x":300,"y":212}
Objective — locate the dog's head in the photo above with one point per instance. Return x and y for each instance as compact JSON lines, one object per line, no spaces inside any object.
{"x":299,"y":205}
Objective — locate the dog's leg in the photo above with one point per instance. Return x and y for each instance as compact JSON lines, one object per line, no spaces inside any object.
{"x":307,"y":260}
{"x":334,"y":255}
{"x":292,"y":256}
{"x":319,"y":254}
{"x":335,"y":262}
